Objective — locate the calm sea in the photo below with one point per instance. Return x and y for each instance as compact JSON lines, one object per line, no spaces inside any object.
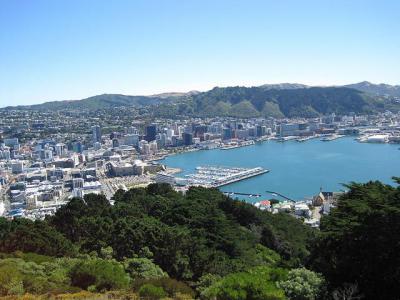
{"x":299,"y":170}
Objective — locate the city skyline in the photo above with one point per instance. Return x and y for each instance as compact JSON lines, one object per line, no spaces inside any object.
{"x":73,"y":50}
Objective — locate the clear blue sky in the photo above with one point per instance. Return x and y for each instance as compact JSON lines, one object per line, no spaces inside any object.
{"x":66,"y":49}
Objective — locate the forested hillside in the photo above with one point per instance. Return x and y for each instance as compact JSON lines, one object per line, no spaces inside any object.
{"x":157,"y":243}
{"x":300,"y":102}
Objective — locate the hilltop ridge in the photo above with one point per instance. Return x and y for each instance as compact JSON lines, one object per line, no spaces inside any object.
{"x":268,"y":100}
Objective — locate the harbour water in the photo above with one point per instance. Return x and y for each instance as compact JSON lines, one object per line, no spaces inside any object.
{"x":299,"y":170}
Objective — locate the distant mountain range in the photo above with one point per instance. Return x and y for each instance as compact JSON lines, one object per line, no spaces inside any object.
{"x":276,"y":100}
{"x":377,"y":89}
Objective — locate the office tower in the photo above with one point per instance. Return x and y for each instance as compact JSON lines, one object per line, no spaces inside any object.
{"x":151,"y":132}
{"x":96,"y":132}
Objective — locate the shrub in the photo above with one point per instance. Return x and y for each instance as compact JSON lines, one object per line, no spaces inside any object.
{"x":302,"y":284}
{"x":102,"y":274}
{"x":256,"y":284}
{"x":152,"y":292}
{"x":10,"y":280}
{"x":143,"y":268}
{"x":169,"y":285}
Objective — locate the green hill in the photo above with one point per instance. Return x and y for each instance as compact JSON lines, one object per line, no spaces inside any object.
{"x":376,"y":89}
{"x":294,"y":102}
{"x":278,"y":100}
{"x":101,"y":102}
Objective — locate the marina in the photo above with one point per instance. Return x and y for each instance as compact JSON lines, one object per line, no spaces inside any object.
{"x":331,"y":137}
{"x":237,"y":145}
{"x":216,"y":176}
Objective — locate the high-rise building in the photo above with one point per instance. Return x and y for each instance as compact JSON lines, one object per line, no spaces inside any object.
{"x":96,"y":133}
{"x":60,"y":149}
{"x":187,"y":139}
{"x":227,"y":134}
{"x":131,"y":139}
{"x":151,"y":132}
{"x":115,"y":143}
{"x":77,"y":147}
{"x":77,"y":183}
{"x":259,"y":130}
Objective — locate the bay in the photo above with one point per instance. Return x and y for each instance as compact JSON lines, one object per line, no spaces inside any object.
{"x":299,"y":170}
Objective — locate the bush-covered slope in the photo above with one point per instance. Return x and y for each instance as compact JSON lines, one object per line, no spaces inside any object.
{"x":299,"y":102}
{"x":156,"y":242}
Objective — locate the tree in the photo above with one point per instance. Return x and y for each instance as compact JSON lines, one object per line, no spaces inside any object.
{"x":358,"y":241}
{"x":150,"y":291}
{"x":99,"y":275}
{"x":145,"y":268}
{"x":347,"y":292}
{"x":205,"y":282}
{"x":256,"y":284}
{"x":302,"y":284}
{"x":37,"y":237}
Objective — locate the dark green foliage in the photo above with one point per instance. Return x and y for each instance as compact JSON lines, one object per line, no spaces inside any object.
{"x":302,"y":102}
{"x":280,"y":232}
{"x":230,"y":248}
{"x":38,"y":237}
{"x":99,"y":275}
{"x":150,"y":291}
{"x":359,"y":241}
{"x":189,"y":236}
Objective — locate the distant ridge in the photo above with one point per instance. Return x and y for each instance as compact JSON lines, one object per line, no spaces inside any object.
{"x":103,"y":101}
{"x":268,"y":100}
{"x":284,"y":86}
{"x":175,"y":94}
{"x":377,"y":89}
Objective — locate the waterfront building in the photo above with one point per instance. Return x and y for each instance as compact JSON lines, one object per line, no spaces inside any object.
{"x":227,"y":134}
{"x":187,"y":139}
{"x":163,"y":177}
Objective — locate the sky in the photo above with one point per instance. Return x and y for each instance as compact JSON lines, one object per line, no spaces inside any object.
{"x":72,"y":49}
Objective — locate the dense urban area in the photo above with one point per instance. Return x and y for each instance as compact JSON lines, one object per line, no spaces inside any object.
{"x":47,"y":158}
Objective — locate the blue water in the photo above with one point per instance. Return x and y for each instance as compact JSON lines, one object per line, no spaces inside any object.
{"x":299,"y":170}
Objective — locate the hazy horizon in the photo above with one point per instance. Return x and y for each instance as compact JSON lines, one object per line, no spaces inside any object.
{"x":70,"y":50}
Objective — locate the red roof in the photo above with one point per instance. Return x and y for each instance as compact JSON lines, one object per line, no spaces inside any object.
{"x":265,"y":202}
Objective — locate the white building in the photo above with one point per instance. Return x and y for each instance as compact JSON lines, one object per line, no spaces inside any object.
{"x":163,"y":177}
